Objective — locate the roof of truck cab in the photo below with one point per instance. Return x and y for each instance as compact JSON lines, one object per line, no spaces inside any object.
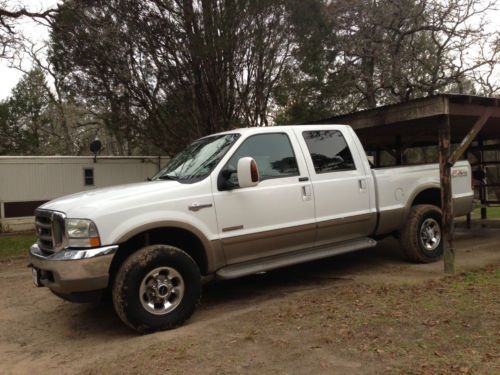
{"x":273,"y":129}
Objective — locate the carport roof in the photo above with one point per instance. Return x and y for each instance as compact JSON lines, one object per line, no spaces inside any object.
{"x":416,"y":123}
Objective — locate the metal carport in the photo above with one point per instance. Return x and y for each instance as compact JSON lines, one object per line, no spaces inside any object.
{"x":442,"y":120}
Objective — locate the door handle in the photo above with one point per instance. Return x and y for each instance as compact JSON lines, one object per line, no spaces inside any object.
{"x":306,"y":192}
{"x":303,"y":179}
{"x":362,"y":184}
{"x":197,"y":206}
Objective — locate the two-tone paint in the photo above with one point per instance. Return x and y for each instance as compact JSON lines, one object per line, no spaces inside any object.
{"x":277,"y":217}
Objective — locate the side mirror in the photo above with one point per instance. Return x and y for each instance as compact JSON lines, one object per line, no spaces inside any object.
{"x":248,"y":173}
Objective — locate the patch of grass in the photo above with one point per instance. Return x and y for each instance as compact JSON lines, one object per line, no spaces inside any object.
{"x":493,"y":213}
{"x":13,"y":246}
{"x":477,"y":278}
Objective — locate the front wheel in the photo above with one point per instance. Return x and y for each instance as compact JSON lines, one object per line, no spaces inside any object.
{"x":421,"y":237}
{"x":156,"y":288}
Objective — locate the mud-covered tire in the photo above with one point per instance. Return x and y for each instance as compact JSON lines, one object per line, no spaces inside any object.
{"x":140,"y":271}
{"x":414,"y":238}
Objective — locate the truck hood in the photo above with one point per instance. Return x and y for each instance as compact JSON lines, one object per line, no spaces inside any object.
{"x":90,"y":203}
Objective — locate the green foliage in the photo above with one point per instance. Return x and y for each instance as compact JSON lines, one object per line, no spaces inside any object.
{"x":13,"y":246}
{"x":23,"y":116}
{"x":27,"y":113}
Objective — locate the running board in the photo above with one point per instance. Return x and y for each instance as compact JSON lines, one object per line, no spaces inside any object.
{"x":288,"y":259}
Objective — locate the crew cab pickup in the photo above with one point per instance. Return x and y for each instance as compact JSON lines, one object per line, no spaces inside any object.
{"x":234,"y":204}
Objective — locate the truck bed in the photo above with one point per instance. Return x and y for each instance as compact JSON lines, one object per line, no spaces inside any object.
{"x":396,"y":189}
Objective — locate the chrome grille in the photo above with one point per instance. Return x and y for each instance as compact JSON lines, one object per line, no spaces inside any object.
{"x":50,"y":230}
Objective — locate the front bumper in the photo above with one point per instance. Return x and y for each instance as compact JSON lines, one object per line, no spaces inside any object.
{"x":72,"y":271}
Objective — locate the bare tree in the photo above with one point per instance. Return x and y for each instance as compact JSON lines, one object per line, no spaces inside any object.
{"x":8,"y":18}
{"x":406,"y":49}
{"x":487,"y":78}
{"x":174,"y":70}
{"x":386,"y":51}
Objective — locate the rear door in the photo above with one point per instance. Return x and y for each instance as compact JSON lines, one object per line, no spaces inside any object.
{"x":340,"y":184}
{"x":277,"y":215}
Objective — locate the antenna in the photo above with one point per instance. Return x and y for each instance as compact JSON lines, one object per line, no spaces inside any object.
{"x":95,"y":148}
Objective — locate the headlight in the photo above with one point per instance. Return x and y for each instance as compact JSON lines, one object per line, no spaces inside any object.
{"x":82,"y":233}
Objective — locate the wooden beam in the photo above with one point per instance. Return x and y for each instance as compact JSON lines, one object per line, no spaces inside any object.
{"x":446,"y":197}
{"x":476,"y":128}
{"x":472,"y":110}
{"x":415,"y":139}
{"x":485,"y":148}
{"x":399,"y":150}
{"x":412,"y":110}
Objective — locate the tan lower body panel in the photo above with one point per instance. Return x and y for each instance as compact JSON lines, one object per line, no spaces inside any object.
{"x":252,"y":246}
{"x":391,"y":220}
{"x":346,"y":228}
{"x":256,"y":245}
{"x":462,"y":206}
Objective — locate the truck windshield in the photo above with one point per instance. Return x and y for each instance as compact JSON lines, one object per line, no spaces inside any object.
{"x":198,"y":159}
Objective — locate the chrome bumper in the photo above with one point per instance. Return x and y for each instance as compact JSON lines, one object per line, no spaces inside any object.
{"x":71,"y":271}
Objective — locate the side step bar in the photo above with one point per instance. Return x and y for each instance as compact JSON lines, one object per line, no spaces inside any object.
{"x":283,"y":260}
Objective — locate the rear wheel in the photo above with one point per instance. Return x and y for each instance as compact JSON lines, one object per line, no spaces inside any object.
{"x":156,"y":288}
{"x":421,"y":237}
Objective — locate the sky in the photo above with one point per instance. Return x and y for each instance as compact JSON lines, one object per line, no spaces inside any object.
{"x":10,"y":76}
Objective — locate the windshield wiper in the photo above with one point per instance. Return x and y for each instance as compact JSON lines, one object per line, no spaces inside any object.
{"x":168,"y":177}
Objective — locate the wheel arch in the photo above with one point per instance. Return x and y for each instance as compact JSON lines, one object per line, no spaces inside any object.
{"x":425,"y":194}
{"x":207,"y":254}
{"x":428,"y":195}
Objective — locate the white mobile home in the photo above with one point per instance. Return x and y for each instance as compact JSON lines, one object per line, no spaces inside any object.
{"x":26,"y":182}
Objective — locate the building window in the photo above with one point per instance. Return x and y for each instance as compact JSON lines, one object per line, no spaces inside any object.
{"x":88,"y":176}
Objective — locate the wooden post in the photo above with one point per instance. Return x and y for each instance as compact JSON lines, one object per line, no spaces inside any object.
{"x":378,"y":153}
{"x":482,"y":189}
{"x":469,"y":216}
{"x":484,"y":213}
{"x":399,"y":150}
{"x":446,"y":197}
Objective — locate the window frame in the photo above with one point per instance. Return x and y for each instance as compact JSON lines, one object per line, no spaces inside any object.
{"x":85,"y":169}
{"x":354,"y":168}
{"x":268,"y":178}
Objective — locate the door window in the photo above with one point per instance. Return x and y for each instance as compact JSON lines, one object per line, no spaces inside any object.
{"x":273,"y":154}
{"x":329,"y":151}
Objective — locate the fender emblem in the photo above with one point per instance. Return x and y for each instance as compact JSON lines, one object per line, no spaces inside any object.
{"x":459,"y":173}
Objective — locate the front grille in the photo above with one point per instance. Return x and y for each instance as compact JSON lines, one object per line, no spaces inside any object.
{"x":50,"y":230}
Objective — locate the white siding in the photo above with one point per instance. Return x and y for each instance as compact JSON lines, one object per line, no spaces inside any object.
{"x":26,"y":178}
{"x":44,"y":178}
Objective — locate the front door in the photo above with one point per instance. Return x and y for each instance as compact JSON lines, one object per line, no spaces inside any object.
{"x":275,"y":216}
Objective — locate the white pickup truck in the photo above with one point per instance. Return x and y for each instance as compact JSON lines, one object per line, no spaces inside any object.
{"x":234,"y":204}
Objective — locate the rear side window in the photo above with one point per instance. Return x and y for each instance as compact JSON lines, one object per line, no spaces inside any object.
{"x":273,"y":154}
{"x":329,"y":151}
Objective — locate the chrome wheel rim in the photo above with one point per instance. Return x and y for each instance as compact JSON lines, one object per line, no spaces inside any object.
{"x":430,"y":234}
{"x":161,"y":290}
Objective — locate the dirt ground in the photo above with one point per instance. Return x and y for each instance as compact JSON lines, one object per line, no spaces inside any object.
{"x":360,"y":313}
